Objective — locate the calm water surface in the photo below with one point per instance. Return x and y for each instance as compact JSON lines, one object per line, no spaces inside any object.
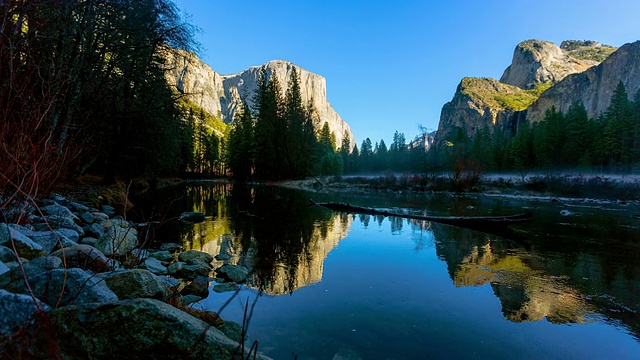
{"x":329,"y":285}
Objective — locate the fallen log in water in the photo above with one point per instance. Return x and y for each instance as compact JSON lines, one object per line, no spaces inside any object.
{"x":491,"y":224}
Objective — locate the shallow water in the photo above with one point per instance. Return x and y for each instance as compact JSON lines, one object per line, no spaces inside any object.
{"x":332,"y":285}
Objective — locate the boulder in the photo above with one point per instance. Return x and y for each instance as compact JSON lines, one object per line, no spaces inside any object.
{"x":6,"y":254}
{"x":195,"y":254}
{"x":108,"y":210}
{"x":192,"y":217}
{"x":25,"y":247}
{"x":87,"y":217}
{"x":199,"y":286}
{"x":235,"y":273}
{"x":175,"y":268}
{"x":31,"y":269}
{"x":170,"y":247}
{"x":4,"y":268}
{"x":16,"y":310}
{"x":223,"y":257}
{"x":60,"y":287}
{"x":181,"y":269}
{"x":173,"y":285}
{"x":117,"y":241}
{"x":58,"y":210}
{"x":89,"y":241}
{"x":50,"y":240}
{"x":162,"y":255}
{"x":134,"y":284}
{"x":136,"y":329}
{"x":226,"y":287}
{"x":94,"y":230}
{"x":59,"y":222}
{"x":154,"y":265}
{"x":85,"y":257}
{"x":100,"y":216}
{"x":189,"y":299}
{"x":140,"y":254}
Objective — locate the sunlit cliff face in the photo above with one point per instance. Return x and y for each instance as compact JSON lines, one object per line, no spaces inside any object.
{"x":526,"y":294}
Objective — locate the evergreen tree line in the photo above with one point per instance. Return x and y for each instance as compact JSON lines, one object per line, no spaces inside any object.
{"x":83,"y":89}
{"x":609,"y":143}
{"x":378,"y":158}
{"x":276,"y":139}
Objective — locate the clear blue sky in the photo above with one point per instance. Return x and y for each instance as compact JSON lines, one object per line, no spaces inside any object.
{"x":391,"y":65}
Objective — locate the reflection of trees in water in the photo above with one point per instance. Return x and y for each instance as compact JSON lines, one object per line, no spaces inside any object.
{"x":287,"y":239}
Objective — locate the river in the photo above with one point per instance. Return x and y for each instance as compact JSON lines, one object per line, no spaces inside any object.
{"x":327,"y":285}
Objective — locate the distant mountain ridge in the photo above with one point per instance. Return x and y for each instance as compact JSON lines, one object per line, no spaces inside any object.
{"x":222,"y":95}
{"x":538,"y":77}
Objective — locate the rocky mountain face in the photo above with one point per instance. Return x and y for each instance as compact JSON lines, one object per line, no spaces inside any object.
{"x":593,"y":87}
{"x":536,"y":61}
{"x":476,"y":105}
{"x":536,"y":66}
{"x":222,"y":95}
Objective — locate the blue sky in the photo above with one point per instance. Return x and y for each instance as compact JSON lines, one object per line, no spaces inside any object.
{"x":391,"y":65}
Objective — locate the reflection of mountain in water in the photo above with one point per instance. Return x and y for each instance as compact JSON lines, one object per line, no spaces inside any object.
{"x":269,"y":231}
{"x":526,"y":294}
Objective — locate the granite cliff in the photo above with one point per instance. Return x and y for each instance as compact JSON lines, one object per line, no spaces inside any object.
{"x":593,"y":87}
{"x":222,"y":95}
{"x":537,"y":66}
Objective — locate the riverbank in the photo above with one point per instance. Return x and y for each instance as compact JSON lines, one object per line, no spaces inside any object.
{"x":78,"y":281}
{"x":616,"y":188}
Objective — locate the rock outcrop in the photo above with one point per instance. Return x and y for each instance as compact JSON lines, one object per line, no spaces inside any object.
{"x":594,"y":87}
{"x":536,"y":61}
{"x":536,"y":67}
{"x":222,"y":95}
{"x":479,"y":103}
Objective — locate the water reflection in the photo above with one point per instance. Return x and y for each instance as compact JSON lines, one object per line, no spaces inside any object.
{"x":284,"y":243}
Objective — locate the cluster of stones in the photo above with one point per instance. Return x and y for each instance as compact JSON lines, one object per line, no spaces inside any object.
{"x":76,"y":282}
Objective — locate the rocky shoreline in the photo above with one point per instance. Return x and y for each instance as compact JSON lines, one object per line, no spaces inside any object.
{"x":77,"y":282}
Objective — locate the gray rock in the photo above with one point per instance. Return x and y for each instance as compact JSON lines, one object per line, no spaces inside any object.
{"x":131,"y":328}
{"x":100,"y":215}
{"x":108,"y":210}
{"x":189,"y":299}
{"x":226,"y":287}
{"x":117,"y":222}
{"x":31,"y":268}
{"x":180,"y":269}
{"x":94,"y":230}
{"x":89,"y":241}
{"x":50,"y":240}
{"x":77,"y":206}
{"x":59,"y":222}
{"x":170,"y":247}
{"x":195,"y":254}
{"x":154,"y":265}
{"x":87,"y":217}
{"x":176,"y":267}
{"x":16,"y":310}
{"x":58,"y":210}
{"x":6,"y":254}
{"x":85,"y":257}
{"x":199,"y":286}
{"x":173,"y":285}
{"x":133,"y":284}
{"x":117,"y":241}
{"x":192,"y":75}
{"x":162,"y":255}
{"x":233,"y":330}
{"x":192,"y":217}
{"x":25,"y":247}
{"x":235,"y":273}
{"x":4,"y":268}
{"x":65,"y":287}
{"x":192,"y":271}
{"x":69,"y":234}
{"x":199,"y":262}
